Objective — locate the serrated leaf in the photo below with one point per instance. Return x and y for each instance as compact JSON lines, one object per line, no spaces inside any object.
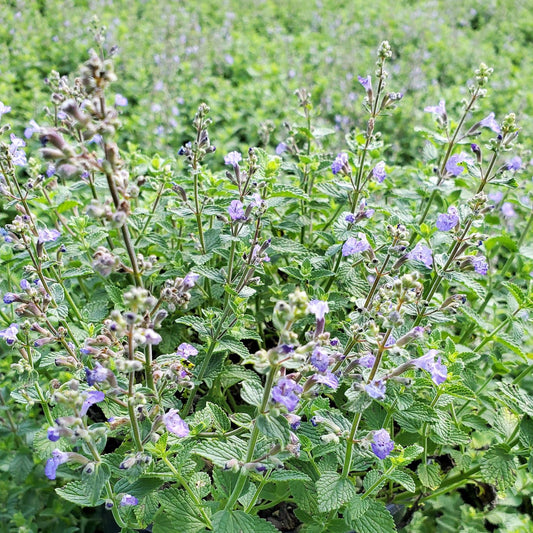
{"x":474,"y":317}
{"x":512,"y":344}
{"x":76,"y":492}
{"x":95,"y":311}
{"x":232,"y":346}
{"x":305,"y":495}
{"x":526,"y":432}
{"x":220,"y":451}
{"x":333,"y":491}
{"x":240,"y":522}
{"x":516,"y":291}
{"x":403,"y":478}
{"x":356,"y":508}
{"x":460,"y":391}
{"x":498,"y":467}
{"x":198,"y":324}
{"x":115,"y":295}
{"x":177,"y":508}
{"x":517,"y":397}
{"x":274,"y":427}
{"x":429,"y":475}
{"x":252,"y":392}
{"x":445,"y":432}
{"x":200,"y":483}
{"x":289,"y":191}
{"x":412,"y":452}
{"x":58,"y":294}
{"x":501,"y":240}
{"x":220,"y":418}
{"x":375,"y":519}
{"x":287,"y":475}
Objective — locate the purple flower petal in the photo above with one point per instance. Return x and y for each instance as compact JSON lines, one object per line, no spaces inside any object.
{"x":233,"y":159}
{"x":175,"y":424}
{"x":382,"y":445}
{"x":92,"y":397}
{"x":285,"y":392}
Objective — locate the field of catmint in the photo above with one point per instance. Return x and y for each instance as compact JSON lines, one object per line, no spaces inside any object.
{"x":266,"y":267}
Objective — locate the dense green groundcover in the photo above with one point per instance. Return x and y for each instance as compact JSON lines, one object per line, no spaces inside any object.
{"x":462,"y":457}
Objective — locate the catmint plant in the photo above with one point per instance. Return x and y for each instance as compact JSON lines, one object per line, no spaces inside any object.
{"x":207,"y":340}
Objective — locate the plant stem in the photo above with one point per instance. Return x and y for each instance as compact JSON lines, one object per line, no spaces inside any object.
{"x":253,"y":440}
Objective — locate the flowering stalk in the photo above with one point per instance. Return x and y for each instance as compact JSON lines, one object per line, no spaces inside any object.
{"x":131,"y":408}
{"x":253,"y":439}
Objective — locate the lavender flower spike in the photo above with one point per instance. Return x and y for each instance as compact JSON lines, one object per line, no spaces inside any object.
{"x":175,"y":424}
{"x":379,"y":172}
{"x":320,"y":359}
{"x":382,"y":445}
{"x":285,"y":393}
{"x":480,"y":265}
{"x":341,"y":161}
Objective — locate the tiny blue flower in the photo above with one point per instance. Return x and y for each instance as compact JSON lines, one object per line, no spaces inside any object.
{"x":340,"y":162}
{"x":128,"y":500}
{"x":175,"y":424}
{"x":285,"y":392}
{"x":382,"y":445}
{"x":233,"y":159}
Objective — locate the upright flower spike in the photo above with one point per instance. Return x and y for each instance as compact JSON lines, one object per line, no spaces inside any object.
{"x":382,"y":445}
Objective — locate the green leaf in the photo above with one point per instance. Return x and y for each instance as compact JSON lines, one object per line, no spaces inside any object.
{"x":232,"y":346}
{"x":356,"y":508}
{"x":411,"y":453}
{"x":333,"y":491}
{"x":460,"y":391}
{"x":220,"y":451}
{"x":371,"y":478}
{"x":220,"y":418}
{"x":498,"y":467}
{"x":274,"y":427}
{"x":287,"y":475}
{"x":115,"y":295}
{"x":289,"y":191}
{"x":58,"y":294}
{"x":86,"y":492}
{"x":239,"y":522}
{"x":403,"y":478}
{"x":526,"y":432}
{"x":513,"y":344}
{"x":252,"y":392}
{"x":305,"y":496}
{"x":429,"y":475}
{"x":502,"y":240}
{"x":177,"y":510}
{"x":516,"y":397}
{"x":95,"y":311}
{"x":198,"y":324}
{"x":518,"y":294}
{"x":374,"y":519}
{"x":445,"y":432}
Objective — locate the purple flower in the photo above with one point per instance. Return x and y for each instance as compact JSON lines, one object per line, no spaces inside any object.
{"x":421,"y":253}
{"x":340,"y":162}
{"x":353,"y":246}
{"x":50,"y":171}
{"x":320,"y":359}
{"x":285,"y":393}
{"x":128,"y":499}
{"x":496,"y":196}
{"x":329,"y":379}
{"x":427,"y":362}
{"x":10,"y":334}
{"x":151,"y":337}
{"x":480,"y":265}
{"x":379,"y":172}
{"x":490,"y":122}
{"x":448,"y":221}
{"x":31,"y":129}
{"x":319,"y":308}
{"x":97,"y":375}
{"x":120,"y":101}
{"x":48,"y":235}
{"x":350,"y":218}
{"x":175,"y":424}
{"x":233,"y":159}
{"x":293,"y":420}
{"x":453,"y":167}
{"x":10,"y":297}
{"x":17,"y":154}
{"x":189,"y":280}
{"x":367,"y":360}
{"x":91,"y":397}
{"x":58,"y":458}
{"x":25,"y":284}
{"x":508,"y":210}
{"x":438,"y":110}
{"x":5,"y":235}
{"x":186,"y":350}
{"x":376,"y":389}
{"x":236,"y":210}
{"x":382,"y":445}
{"x":4,"y":109}
{"x":365,"y":82}
{"x":280,"y":148}
{"x":53,"y":434}
{"x":514,"y":164}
